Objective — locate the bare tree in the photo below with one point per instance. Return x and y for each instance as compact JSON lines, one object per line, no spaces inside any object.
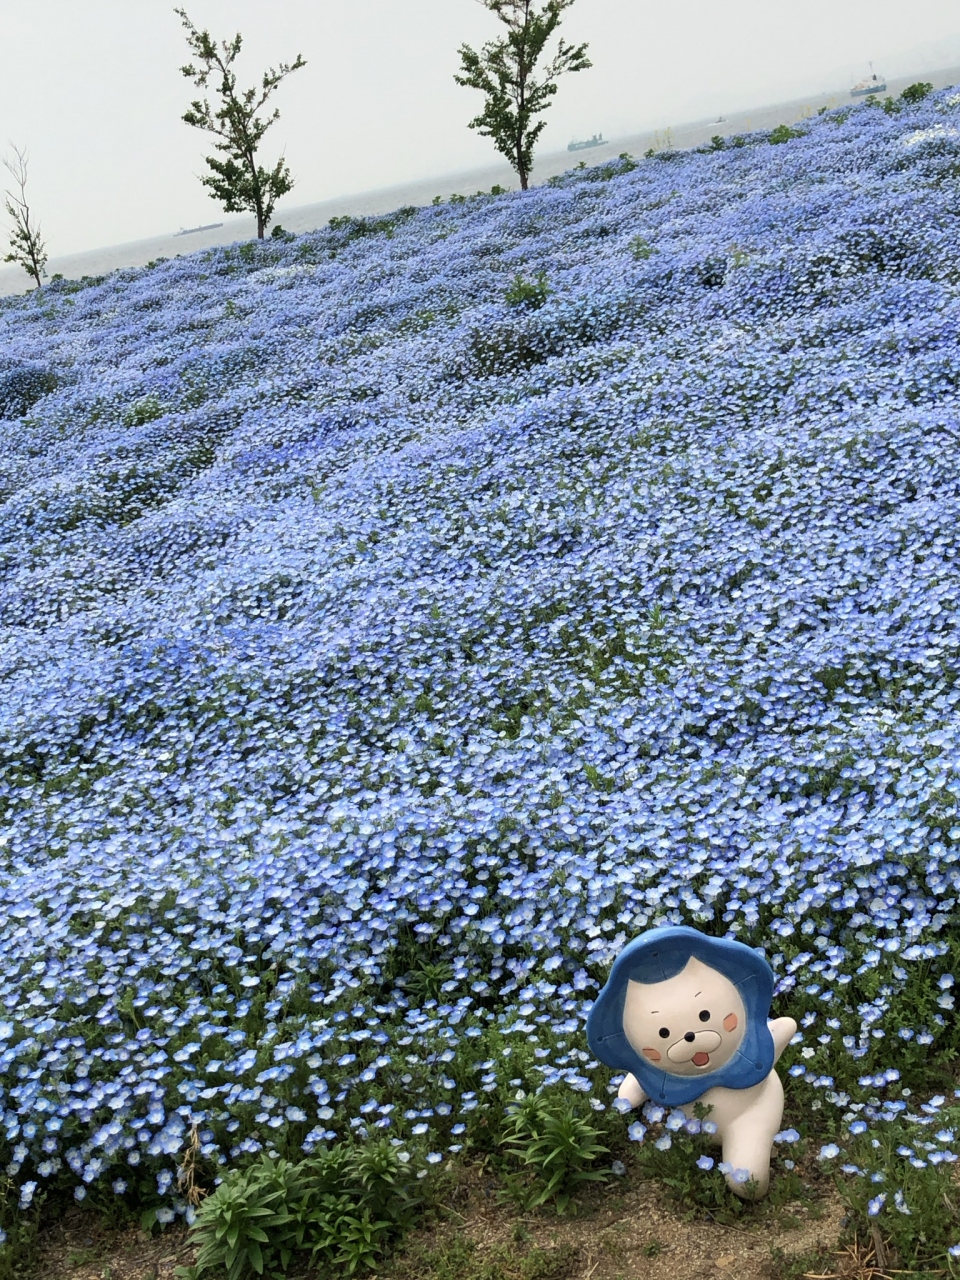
{"x":26,"y":243}
{"x":503,"y":70}
{"x":237,"y":181}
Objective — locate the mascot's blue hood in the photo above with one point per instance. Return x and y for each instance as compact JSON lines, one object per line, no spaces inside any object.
{"x":658,"y":955}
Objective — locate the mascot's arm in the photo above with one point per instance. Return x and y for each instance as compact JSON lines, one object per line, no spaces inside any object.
{"x":632,"y":1092}
{"x":783,"y":1030}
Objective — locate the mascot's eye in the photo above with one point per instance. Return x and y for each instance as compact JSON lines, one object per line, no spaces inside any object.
{"x":704,"y":1015}
{"x":664,"y":1033}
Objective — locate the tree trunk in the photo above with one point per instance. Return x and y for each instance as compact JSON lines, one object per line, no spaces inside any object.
{"x":257,"y":193}
{"x":521,"y":168}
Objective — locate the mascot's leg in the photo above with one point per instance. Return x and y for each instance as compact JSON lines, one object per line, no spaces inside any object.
{"x":631,"y":1091}
{"x":748,"y":1137}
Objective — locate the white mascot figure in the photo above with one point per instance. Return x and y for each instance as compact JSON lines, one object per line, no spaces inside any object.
{"x":686,"y":1016}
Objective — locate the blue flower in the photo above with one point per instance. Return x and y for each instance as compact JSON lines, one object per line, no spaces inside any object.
{"x":343,"y":602}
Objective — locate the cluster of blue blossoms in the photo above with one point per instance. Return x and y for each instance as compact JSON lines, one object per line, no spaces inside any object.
{"x":378,"y":656}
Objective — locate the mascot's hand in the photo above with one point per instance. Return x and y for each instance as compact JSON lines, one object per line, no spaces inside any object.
{"x":631,"y":1091}
{"x":783,"y":1030}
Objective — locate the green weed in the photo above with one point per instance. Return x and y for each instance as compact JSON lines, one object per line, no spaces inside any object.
{"x":783,"y":133}
{"x":342,"y":1209}
{"x":555,"y":1141}
{"x":528,"y":293}
{"x":461,"y":1259}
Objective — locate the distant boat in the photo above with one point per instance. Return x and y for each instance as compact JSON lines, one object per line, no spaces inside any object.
{"x":872,"y":84}
{"x":189,"y":231}
{"x":597,"y":140}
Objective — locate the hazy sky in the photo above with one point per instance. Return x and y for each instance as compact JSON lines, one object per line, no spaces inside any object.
{"x":93,"y":89}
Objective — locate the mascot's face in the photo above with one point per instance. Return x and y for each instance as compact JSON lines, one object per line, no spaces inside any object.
{"x":688,"y":1025}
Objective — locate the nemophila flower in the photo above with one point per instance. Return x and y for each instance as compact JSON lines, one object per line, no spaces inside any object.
{"x":345,"y":605}
{"x":829,"y":1152}
{"x":705,"y":1162}
{"x":618,"y":1168}
{"x":900,"y":1203}
{"x":636,"y":1131}
{"x":876,"y":1204}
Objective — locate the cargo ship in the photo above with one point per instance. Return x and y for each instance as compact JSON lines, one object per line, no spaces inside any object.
{"x":189,"y":231}
{"x":597,"y":140}
{"x":872,"y":84}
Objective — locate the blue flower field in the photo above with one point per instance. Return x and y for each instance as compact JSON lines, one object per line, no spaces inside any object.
{"x":398,"y":619}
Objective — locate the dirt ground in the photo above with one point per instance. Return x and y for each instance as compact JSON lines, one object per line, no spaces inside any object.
{"x":625,"y":1232}
{"x":633,"y":1233}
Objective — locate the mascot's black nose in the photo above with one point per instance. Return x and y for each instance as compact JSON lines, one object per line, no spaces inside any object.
{"x":689,"y":1036}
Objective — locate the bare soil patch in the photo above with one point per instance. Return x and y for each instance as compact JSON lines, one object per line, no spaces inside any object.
{"x":626,"y":1231}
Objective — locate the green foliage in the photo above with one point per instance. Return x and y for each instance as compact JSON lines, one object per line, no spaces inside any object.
{"x":361,"y":1199}
{"x":791,"y":1266}
{"x":783,"y":133}
{"x":717,"y":142}
{"x":912,"y":1202}
{"x":142,"y":411}
{"x":20,"y":1230}
{"x":343,"y":1208}
{"x":557,"y":1142}
{"x":459,"y":1258}
{"x":26,"y":244}
{"x":356,"y":228}
{"x":915,"y":93}
{"x":504,"y":69}
{"x":237,"y":180}
{"x":246,"y":1225}
{"x":671,"y":1159}
{"x":528,"y":293}
{"x":641,"y":248}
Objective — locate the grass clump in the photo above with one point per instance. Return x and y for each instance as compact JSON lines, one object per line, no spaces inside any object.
{"x":460,"y":1259}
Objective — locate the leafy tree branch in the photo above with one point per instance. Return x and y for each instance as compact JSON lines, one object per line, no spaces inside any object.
{"x":238,"y":181}
{"x":26,"y":243}
{"x":504,"y":70}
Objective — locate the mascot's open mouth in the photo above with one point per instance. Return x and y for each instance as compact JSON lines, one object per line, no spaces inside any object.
{"x":700,"y":1059}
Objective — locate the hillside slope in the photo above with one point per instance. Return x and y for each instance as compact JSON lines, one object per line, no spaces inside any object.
{"x":379,"y":654}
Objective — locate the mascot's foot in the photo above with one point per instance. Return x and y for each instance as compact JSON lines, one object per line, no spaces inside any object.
{"x":753,"y":1187}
